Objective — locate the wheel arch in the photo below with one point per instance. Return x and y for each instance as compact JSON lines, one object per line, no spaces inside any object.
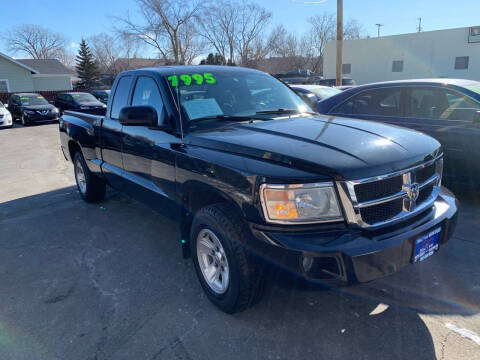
{"x":73,"y":147}
{"x":195,"y":196}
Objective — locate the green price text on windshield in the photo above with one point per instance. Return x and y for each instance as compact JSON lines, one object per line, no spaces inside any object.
{"x":195,"y":79}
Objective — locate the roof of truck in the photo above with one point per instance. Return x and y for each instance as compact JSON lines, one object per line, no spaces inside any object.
{"x":164,"y":70}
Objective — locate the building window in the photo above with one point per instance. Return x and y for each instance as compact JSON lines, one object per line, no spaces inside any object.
{"x":474,"y":34}
{"x":461,"y":62}
{"x":4,"y":86}
{"x":397,"y":66}
{"x":346,"y":68}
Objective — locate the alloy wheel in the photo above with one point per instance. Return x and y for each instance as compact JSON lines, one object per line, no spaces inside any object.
{"x":213,"y":261}
{"x":80,"y":177}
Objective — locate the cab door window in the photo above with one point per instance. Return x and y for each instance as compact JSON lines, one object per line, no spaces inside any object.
{"x":120,"y":99}
{"x":147,"y":93}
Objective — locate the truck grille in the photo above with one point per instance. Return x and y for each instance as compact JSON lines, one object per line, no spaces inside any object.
{"x":385,"y":199}
{"x":381,"y":212}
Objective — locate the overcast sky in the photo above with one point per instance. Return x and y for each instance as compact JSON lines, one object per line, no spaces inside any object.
{"x":81,"y":18}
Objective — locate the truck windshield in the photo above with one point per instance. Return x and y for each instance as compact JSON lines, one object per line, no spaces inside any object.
{"x":28,"y":100}
{"x":232,"y":94}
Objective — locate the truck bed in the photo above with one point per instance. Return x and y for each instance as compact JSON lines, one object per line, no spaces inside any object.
{"x":88,"y":118}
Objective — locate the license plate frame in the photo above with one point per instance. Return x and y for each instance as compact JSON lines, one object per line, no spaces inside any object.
{"x":426,"y":245}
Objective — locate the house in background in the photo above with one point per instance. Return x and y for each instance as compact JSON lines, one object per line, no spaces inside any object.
{"x":450,"y":53}
{"x":29,"y":75}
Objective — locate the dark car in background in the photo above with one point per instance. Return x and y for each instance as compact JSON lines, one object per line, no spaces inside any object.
{"x":31,"y":108}
{"x":333,"y":82}
{"x":312,"y":94}
{"x":101,"y":95}
{"x":81,"y":102}
{"x":447,"y":109}
{"x":298,"y":76}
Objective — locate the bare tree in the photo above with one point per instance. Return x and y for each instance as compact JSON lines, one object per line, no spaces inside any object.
{"x":106,"y":50}
{"x":294,"y":51}
{"x":67,"y":58}
{"x":114,"y":54}
{"x":35,"y":41}
{"x":322,"y":31}
{"x":218,"y":25}
{"x":251,"y":22}
{"x":168,"y":26}
{"x":353,"y":30}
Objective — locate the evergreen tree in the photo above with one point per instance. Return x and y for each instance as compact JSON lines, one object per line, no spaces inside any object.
{"x":211,"y":59}
{"x":86,"y":66}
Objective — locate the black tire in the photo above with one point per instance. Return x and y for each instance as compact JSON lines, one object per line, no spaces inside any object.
{"x":24,"y":121}
{"x":246,"y":280}
{"x":95,"y":188}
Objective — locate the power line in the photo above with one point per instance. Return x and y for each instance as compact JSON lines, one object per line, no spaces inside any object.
{"x":379,"y":26}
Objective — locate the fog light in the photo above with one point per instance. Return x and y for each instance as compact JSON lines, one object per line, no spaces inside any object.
{"x":307,"y":263}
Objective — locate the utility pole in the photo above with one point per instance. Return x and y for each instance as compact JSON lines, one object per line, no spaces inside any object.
{"x":419,"y":24}
{"x":379,"y":26}
{"x":339,"y":41}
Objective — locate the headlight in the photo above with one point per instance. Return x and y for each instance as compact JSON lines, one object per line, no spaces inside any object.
{"x":55,"y":110}
{"x":300,"y":203}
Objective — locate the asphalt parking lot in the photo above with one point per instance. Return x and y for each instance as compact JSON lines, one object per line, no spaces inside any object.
{"x":107,"y":281}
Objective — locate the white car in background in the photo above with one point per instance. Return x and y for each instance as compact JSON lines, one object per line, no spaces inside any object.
{"x":312,"y":94}
{"x":5,"y":117}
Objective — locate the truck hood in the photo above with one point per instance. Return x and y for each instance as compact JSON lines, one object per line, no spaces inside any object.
{"x":345,"y":149}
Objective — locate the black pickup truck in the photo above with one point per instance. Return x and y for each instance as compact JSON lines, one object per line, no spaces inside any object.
{"x":252,"y":176}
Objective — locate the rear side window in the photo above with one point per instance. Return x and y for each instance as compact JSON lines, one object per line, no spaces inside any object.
{"x":120,"y":99}
{"x":147,"y":93}
{"x":442,"y":104}
{"x":379,"y":102}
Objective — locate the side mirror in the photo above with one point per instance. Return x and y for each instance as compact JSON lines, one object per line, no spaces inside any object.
{"x":138,"y":116}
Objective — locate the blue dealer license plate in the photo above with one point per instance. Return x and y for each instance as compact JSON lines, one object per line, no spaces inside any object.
{"x":426,"y":245}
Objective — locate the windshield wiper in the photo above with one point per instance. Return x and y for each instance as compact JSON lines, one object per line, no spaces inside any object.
{"x":221,"y":118}
{"x":284,"y":111}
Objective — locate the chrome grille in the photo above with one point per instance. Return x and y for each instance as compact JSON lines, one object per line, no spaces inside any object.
{"x":386,"y":199}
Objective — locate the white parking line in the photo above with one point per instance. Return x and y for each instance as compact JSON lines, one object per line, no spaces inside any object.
{"x":464,"y":333}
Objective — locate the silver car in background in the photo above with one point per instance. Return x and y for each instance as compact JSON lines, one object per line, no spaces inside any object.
{"x":5,"y":117}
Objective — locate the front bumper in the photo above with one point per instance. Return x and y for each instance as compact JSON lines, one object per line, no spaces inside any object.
{"x":4,"y":122}
{"x":37,"y":118}
{"x":348,"y":255}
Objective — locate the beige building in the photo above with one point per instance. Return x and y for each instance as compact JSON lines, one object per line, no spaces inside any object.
{"x":27,"y":75}
{"x":450,"y":53}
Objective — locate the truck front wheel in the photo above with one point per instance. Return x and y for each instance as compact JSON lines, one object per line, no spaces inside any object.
{"x":229,"y":275}
{"x":91,"y":188}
